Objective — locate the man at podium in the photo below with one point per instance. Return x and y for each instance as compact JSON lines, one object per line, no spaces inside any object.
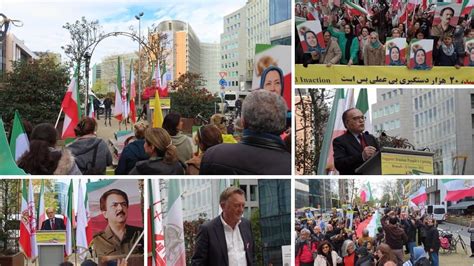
{"x":118,"y":237}
{"x":355,"y":146}
{"x":52,"y":223}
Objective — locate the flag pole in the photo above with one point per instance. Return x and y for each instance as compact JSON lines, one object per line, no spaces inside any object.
{"x":57,"y":120}
{"x":134,"y":245}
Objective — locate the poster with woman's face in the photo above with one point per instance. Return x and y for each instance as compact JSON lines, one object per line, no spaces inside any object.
{"x":395,"y":52}
{"x":447,"y":14}
{"x":421,"y":55}
{"x":272,"y":70}
{"x":311,"y":36}
{"x":469,"y":58}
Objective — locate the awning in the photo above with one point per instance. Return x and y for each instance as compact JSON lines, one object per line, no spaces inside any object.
{"x":461,"y":205}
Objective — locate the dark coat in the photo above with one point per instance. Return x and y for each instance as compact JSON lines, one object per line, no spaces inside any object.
{"x":247,"y":159}
{"x":395,"y":236}
{"x":131,"y":154}
{"x":58,"y":222}
{"x":432,"y":239}
{"x":410,"y":229}
{"x":444,"y":60}
{"x":211,"y":247}
{"x":157,"y":167}
{"x":348,"y":152}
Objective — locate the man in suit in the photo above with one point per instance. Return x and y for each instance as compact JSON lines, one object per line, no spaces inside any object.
{"x":52,"y":223}
{"x":227,"y":239}
{"x":354,"y":147}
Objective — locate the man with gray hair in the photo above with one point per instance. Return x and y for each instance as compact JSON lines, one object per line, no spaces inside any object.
{"x":260,"y":151}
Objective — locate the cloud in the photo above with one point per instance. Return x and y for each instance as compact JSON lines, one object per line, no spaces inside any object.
{"x":43,"y":20}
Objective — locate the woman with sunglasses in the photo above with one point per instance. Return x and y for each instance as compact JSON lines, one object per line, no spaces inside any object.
{"x":206,"y":137}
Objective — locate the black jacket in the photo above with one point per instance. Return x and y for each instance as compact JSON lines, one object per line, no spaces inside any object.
{"x":410,"y":229}
{"x":348,"y":152}
{"x":58,"y":222}
{"x":157,"y":167}
{"x":211,"y":248}
{"x":432,"y":239}
{"x":252,"y":156}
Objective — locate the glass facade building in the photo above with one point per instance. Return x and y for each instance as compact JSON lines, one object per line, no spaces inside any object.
{"x":280,"y":10}
{"x":275,"y":218}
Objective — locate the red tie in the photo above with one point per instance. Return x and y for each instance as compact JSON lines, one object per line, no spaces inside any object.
{"x":53,"y":225}
{"x":363,"y":144}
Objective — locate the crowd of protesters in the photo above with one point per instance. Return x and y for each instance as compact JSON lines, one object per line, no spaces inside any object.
{"x":259,"y":145}
{"x":399,"y":238}
{"x":361,"y":38}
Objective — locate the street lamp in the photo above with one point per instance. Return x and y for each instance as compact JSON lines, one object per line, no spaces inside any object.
{"x":87,"y":56}
{"x":138,"y":17}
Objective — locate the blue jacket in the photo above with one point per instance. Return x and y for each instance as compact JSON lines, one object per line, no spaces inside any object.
{"x":131,"y":154}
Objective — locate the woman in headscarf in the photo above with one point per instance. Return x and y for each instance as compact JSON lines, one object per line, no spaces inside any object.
{"x":163,"y":156}
{"x":446,"y":54}
{"x":374,"y":52}
{"x":312,"y":41}
{"x":363,"y":41}
{"x":394,"y":55}
{"x":348,"y":43}
{"x":272,"y":80}
{"x":420,"y":60}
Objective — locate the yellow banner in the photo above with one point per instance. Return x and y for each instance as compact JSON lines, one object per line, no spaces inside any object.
{"x":165,"y":103}
{"x":48,"y":237}
{"x":373,"y":75}
{"x":404,"y":164}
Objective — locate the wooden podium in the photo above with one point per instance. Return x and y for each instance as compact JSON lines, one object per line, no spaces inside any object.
{"x":51,"y":245}
{"x":392,"y":161}
{"x":134,"y":259}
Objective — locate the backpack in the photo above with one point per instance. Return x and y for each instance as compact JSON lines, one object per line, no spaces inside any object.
{"x":90,"y":168}
{"x":444,"y":242}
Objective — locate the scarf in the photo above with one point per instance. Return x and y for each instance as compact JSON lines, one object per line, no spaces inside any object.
{"x":375,"y":45}
{"x":347,"y":53}
{"x":449,"y":51}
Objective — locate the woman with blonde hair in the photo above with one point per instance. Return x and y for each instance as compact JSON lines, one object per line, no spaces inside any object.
{"x":206,"y":137}
{"x":163,"y":155}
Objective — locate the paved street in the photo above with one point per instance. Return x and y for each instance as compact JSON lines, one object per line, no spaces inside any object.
{"x":459,"y":258}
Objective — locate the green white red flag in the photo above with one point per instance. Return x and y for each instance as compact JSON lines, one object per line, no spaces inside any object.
{"x":371,"y":224}
{"x":28,"y":222}
{"x":19,"y":143}
{"x":458,"y":189}
{"x":419,"y":197}
{"x":8,"y":165}
{"x":363,"y":105}
{"x":366,"y":193}
{"x":69,"y":220}
{"x":41,"y":210}
{"x":70,"y":106}
{"x":174,"y":225}
{"x":156,"y":237}
{"x":121,"y":108}
{"x":82,"y":244}
{"x":132,"y":94}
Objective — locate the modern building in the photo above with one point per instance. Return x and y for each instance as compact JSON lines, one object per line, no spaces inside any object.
{"x":320,"y":195}
{"x":280,"y":22}
{"x":301,"y":193}
{"x":250,"y":187}
{"x":13,"y":49}
{"x":210,"y":66}
{"x":275,"y":218}
{"x":441,"y":120}
{"x":61,"y":189}
{"x":185,"y":44}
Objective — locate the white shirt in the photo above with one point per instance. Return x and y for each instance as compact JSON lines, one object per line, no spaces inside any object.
{"x":235,"y":245}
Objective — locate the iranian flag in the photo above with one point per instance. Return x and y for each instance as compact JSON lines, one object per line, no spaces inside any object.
{"x":174,"y":221}
{"x":412,"y":4}
{"x":28,"y":222}
{"x":363,"y":105}
{"x":457,"y":189}
{"x":19,"y":143}
{"x":41,"y":210}
{"x":156,"y":238}
{"x":354,"y":9}
{"x":278,"y":53}
{"x":8,"y":165}
{"x":97,"y":222}
{"x":371,"y":224}
{"x":419,"y":196}
{"x":121,"y":108}
{"x":467,"y":6}
{"x":82,"y":243}
{"x":366,"y":193}
{"x":166,"y":77}
{"x":91,"y":108}
{"x":69,"y":220}
{"x":70,"y":107}
{"x":132,"y":94}
{"x":334,"y":128}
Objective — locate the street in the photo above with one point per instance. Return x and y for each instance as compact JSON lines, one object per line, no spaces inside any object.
{"x":459,"y":258}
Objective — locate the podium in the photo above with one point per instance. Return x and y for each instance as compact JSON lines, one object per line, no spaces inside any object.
{"x":134,"y":259}
{"x":393,"y":161}
{"x":51,"y":245}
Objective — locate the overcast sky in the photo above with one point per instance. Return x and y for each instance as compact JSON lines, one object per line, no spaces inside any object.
{"x":43,"y":20}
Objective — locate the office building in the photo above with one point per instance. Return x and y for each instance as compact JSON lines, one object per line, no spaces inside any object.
{"x":280,"y":22}
{"x":12,"y":50}
{"x":210,"y":66}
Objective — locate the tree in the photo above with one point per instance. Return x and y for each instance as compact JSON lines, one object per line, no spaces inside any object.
{"x":35,"y":89}
{"x":190,"y":233}
{"x":188,"y":100}
{"x":255,"y":221}
{"x":100,"y":88}
{"x":10,"y":202}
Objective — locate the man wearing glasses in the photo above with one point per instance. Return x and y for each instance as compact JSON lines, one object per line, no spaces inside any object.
{"x":118,"y":237}
{"x":354,"y":147}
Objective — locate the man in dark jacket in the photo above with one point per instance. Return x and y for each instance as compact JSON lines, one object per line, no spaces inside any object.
{"x":52,"y":223}
{"x":432,"y":243}
{"x":108,"y":110}
{"x":395,"y":237}
{"x":409,"y":226}
{"x":261,"y":151}
{"x":354,"y":147}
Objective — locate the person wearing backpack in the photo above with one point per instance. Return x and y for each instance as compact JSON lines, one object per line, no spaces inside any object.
{"x":91,"y":153}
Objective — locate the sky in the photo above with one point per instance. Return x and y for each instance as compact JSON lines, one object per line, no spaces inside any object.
{"x":43,"y":20}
